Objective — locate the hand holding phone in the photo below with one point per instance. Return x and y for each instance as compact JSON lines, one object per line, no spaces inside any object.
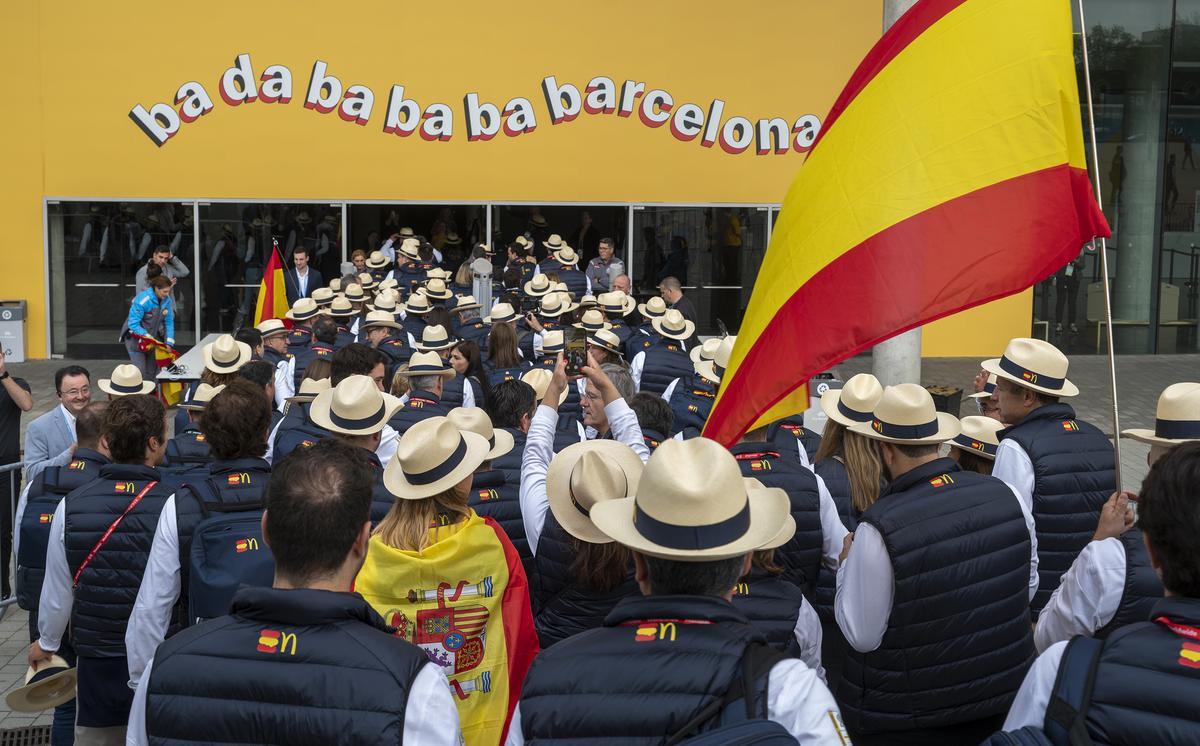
{"x":576,"y":351}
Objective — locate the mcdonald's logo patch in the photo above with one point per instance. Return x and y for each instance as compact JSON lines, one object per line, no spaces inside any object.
{"x":273,"y":641}
{"x":416,"y":404}
{"x":741,"y":589}
{"x":651,"y":631}
{"x":693,"y":409}
{"x":877,"y":426}
{"x":77,"y":465}
{"x":941,"y":481}
{"x":127,"y":487}
{"x":977,"y":445}
{"x":246,"y":545}
{"x":1071,"y":426}
{"x":200,"y":437}
{"x":239,"y":478}
{"x":1189,"y":655}
{"x":45,"y":517}
{"x":488,"y":495}
{"x":762,"y":465}
{"x":1031,"y":377}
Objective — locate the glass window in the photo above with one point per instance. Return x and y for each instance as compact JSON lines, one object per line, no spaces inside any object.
{"x":580,"y":226}
{"x":96,"y":251}
{"x":452,"y":229}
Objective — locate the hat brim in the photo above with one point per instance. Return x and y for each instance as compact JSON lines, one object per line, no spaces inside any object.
{"x":981,"y":395}
{"x":382,"y":324}
{"x":993,"y":366}
{"x":447,"y":296}
{"x":1144,"y":435}
{"x":45,"y":694}
{"x":322,"y":407}
{"x":465,"y":307}
{"x":445,"y":373}
{"x":784,"y":536}
{"x":560,"y":312}
{"x":565,"y":262}
{"x":769,"y":509}
{"x":449,"y":343}
{"x":192,"y":406}
{"x":948,"y":427}
{"x":396,"y":482}
{"x":416,"y":311}
{"x":648,"y":313}
{"x":829,"y":405}
{"x":350,"y":313}
{"x":694,"y":354}
{"x":592,"y":330}
{"x":558,"y":484}
{"x":315,"y":312}
{"x":381,"y":265}
{"x":964,"y":449}
{"x":595,"y":342}
{"x":504,"y":443}
{"x":689,"y":328}
{"x":707,"y":369}
{"x":528,"y":288}
{"x":490,"y":320}
{"x":105,"y":385}
{"x":244,"y":356}
{"x":625,"y":309}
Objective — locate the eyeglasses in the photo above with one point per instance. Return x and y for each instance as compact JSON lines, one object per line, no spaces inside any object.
{"x":85,"y":391}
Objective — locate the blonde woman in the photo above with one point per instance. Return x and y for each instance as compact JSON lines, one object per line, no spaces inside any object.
{"x":450,"y":581}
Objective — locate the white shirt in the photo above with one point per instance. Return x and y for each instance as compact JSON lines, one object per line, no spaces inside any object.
{"x":156,"y":596}
{"x":796,"y":699}
{"x":57,"y":600}
{"x":1087,"y":597}
{"x":833,"y":531}
{"x":285,"y":387}
{"x":666,"y":395}
{"x":865,"y":585}
{"x":539,"y":450}
{"x":1014,"y":467}
{"x":302,"y":282}
{"x":635,"y":369}
{"x":430,"y":715}
{"x":1029,"y":708}
{"x":808,"y":636}
{"x":70,"y":418}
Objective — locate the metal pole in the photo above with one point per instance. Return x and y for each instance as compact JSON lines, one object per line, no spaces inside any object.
{"x":1112,"y":362}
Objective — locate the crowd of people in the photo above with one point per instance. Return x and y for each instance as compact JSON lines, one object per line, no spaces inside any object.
{"x":395,"y":518}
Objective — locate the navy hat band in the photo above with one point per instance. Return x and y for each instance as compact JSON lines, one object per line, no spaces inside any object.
{"x":692,"y":537}
{"x":974,"y":445}
{"x":852,"y":414}
{"x":1028,"y":376}
{"x":1177,"y":429}
{"x":359,"y":423}
{"x":904,"y":432}
{"x":441,"y":470}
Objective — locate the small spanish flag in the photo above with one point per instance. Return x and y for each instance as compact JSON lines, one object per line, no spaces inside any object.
{"x":941,"y":481}
{"x":239,"y":478}
{"x":124,"y":487}
{"x":1189,"y":655}
{"x":45,"y":517}
{"x":241,"y":546}
{"x":268,"y":641}
{"x":646,"y":633}
{"x":1070,"y":425}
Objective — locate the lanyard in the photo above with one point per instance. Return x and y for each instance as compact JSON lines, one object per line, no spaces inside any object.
{"x":128,"y":509}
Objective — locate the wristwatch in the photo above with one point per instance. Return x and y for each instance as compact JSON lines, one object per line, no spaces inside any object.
{"x":5,"y":375}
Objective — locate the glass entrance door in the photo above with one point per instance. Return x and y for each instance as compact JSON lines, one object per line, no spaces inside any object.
{"x":452,"y":229}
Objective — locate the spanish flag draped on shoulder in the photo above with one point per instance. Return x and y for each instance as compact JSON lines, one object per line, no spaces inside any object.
{"x":272,"y":293}
{"x":950,"y":172}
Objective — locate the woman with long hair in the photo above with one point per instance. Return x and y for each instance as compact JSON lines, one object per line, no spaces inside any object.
{"x":467,"y":362}
{"x":450,"y":581}
{"x":852,"y":470}
{"x":503,"y":362}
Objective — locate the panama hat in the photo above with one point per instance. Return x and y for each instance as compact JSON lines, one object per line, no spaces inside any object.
{"x":588,"y":301}
{"x":382,"y":318}
{"x":354,"y":293}
{"x":126,"y":381}
{"x":436,"y":289}
{"x":201,"y":397}
{"x":593,"y":321}
{"x":554,"y":243}
{"x":560,"y":287}
{"x":692,"y":505}
{"x":406,"y":232}
{"x":437,"y":273}
{"x":435,"y":338}
{"x":523,"y":241}
{"x":853,"y":403}
{"x":426,"y":364}
{"x":653,"y":308}
{"x":335,"y":286}
{"x":1034,"y":364}
{"x":606,"y":340}
{"x":673,"y":325}
{"x":566,"y":256}
{"x":386,"y":283}
{"x":1177,"y":418}
{"x":271,"y":327}
{"x":366,"y":281}
{"x":378,"y":260}
{"x":555,"y":304}
{"x":431,"y":457}
{"x":538,"y":285}
{"x":385,"y":301}
{"x":226,"y":354}
{"x":341,"y":308}
{"x":786,"y":531}
{"x":309,"y":388}
{"x":539,"y":221}
{"x":453,"y":239}
{"x":48,"y":684}
{"x":705,"y":351}
{"x":587,"y":473}
{"x":714,"y":370}
{"x":539,"y":380}
{"x":989,"y":388}
{"x":553,"y":340}
{"x":324,"y":296}
{"x":303,"y":309}
{"x":501,"y":313}
{"x":905,"y":414}
{"x":355,"y":406}
{"x":978,"y":436}
{"x":418,"y":304}
{"x":466,"y":303}
{"x":616,"y":303}
{"x":411,"y":248}
{"x":475,"y":420}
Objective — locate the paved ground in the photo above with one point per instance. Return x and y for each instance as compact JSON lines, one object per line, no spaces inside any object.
{"x":1140,"y":379}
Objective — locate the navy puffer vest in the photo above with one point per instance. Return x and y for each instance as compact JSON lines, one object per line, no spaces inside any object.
{"x":801,"y":555}
{"x":286,"y":666}
{"x":1073,"y":466}
{"x":452,"y":391}
{"x":494,"y":496}
{"x":641,"y":676}
{"x":1143,"y":590}
{"x":691,"y":401}
{"x":789,"y":433}
{"x":299,"y":338}
{"x":421,"y":405}
{"x":414,"y":326}
{"x":188,"y":448}
{"x":959,"y":639}
{"x":1148,"y":680}
{"x":772,"y":605}
{"x":305,"y":355}
{"x":497,"y":376}
{"x":395,"y":351}
{"x":664,"y":361}
{"x":108,"y":586}
{"x":302,"y":436}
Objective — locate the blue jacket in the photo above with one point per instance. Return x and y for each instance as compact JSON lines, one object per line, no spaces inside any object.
{"x":148,"y":310}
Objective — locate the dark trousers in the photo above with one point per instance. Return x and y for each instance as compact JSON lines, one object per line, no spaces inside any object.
{"x":62,"y":729}
{"x":10,"y":489}
{"x":1065,"y":292}
{"x":966,"y":734}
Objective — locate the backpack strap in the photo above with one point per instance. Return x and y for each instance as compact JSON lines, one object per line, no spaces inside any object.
{"x":1066,"y":713}
{"x":216,"y":504}
{"x":757,"y":661}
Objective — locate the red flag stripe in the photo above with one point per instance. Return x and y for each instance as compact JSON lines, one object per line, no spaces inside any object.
{"x":881,"y":278}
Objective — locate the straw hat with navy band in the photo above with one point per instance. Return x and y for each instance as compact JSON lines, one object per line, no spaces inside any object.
{"x":905,"y":414}
{"x":385,"y":301}
{"x":203,"y":394}
{"x":383,"y":318}
{"x":554,"y":243}
{"x":606,"y":340}
{"x":616,"y":303}
{"x":309,"y":389}
{"x":436,"y":289}
{"x":1034,"y":364}
{"x":979,"y":436}
{"x":1176,"y":420}
{"x":366,"y":281}
{"x":585,"y":474}
{"x":705,"y":351}
{"x":48,"y":683}
{"x":554,"y":305}
{"x":854,"y":402}
{"x":465,"y":303}
{"x":355,"y":406}
{"x":566,"y":256}
{"x":271,"y":327}
{"x":303,"y":310}
{"x":418,"y":304}
{"x":435,"y":338}
{"x":426,"y":364}
{"x":714,"y":370}
{"x":126,"y":381}
{"x":475,"y":420}
{"x":323,"y":296}
{"x":989,"y":388}
{"x":593,"y":321}
{"x":431,"y":457}
{"x":653,"y":308}
{"x":411,"y":248}
{"x":226,"y":355}
{"x":538,"y":285}
{"x":673,"y":325}
{"x":378,"y":260}
{"x":692,"y":505}
{"x":539,"y":380}
{"x":501,"y":313}
{"x":553,"y":341}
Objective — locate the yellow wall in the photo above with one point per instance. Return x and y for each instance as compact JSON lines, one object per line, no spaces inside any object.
{"x":83,"y":66}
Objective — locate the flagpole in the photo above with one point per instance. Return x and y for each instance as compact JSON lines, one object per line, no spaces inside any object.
{"x":1112,"y":362}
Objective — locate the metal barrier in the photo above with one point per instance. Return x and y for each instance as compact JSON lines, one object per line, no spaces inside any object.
{"x":13,"y":475}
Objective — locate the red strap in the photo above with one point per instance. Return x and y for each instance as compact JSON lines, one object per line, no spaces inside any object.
{"x":96,"y":549}
{"x":640,"y":622}
{"x":756,"y":455}
{"x":1182,"y":630}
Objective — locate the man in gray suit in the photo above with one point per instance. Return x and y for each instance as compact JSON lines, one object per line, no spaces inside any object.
{"x":50,"y":439}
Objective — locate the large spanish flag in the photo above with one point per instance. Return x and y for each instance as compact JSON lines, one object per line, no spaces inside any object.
{"x":272,"y":294}
{"x":949,"y":173}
